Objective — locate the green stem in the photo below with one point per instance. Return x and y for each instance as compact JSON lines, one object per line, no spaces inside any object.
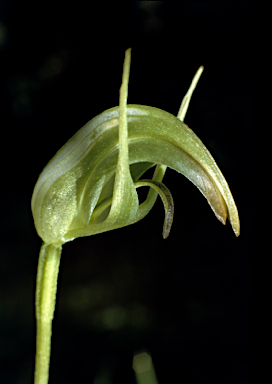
{"x":46,"y":288}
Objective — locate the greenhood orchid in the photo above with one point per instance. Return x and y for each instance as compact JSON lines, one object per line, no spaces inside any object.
{"x":90,"y":185}
{"x":99,"y":168}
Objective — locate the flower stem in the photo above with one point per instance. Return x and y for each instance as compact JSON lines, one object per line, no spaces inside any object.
{"x":46,"y":288}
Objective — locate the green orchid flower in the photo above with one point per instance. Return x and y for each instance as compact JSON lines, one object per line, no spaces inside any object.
{"x":90,"y":187}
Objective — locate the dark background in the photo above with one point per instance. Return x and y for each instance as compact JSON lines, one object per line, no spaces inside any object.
{"x":183,"y":299}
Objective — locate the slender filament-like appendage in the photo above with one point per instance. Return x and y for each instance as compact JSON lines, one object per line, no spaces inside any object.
{"x":161,"y":169}
{"x":125,"y":199}
{"x":123,"y":132}
{"x":186,"y":100}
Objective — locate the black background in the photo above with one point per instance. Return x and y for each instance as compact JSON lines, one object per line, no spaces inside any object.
{"x":183,"y":299}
